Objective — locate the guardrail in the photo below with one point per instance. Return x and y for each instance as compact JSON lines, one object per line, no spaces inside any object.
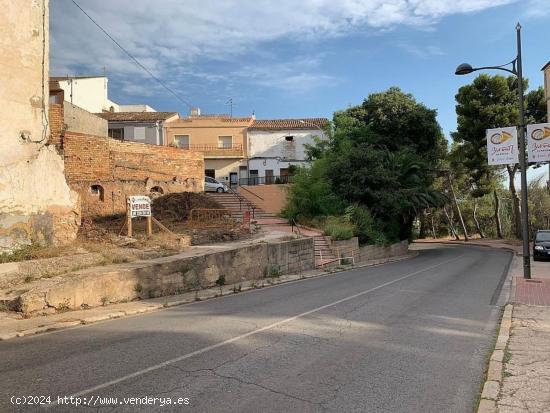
{"x":266,"y":180}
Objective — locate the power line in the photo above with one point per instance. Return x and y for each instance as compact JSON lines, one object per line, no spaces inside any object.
{"x":132,"y":57}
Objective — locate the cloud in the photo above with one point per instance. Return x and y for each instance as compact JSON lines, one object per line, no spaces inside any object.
{"x":174,"y":37}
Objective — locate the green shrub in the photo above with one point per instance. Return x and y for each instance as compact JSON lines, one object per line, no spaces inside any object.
{"x":338,"y":228}
{"x":366,"y":227}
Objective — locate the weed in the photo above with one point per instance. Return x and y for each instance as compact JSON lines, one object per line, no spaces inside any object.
{"x":138,"y":288}
{"x":124,"y":300}
{"x":65,"y":305}
{"x":507,"y":356}
{"x":221,"y":280}
{"x":237,"y":288}
{"x":197,"y":298}
{"x":272,"y":270}
{"x":28,"y":279}
{"x":104,"y":300}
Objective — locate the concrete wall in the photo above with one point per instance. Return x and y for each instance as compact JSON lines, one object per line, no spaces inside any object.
{"x":170,"y":275}
{"x":36,"y":204}
{"x":273,"y":197}
{"x":151,"y":133}
{"x":272,"y":144}
{"x":80,"y":120}
{"x":126,"y":168}
{"x":351,"y":248}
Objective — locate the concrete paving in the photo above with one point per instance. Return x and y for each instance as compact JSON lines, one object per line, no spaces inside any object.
{"x":411,"y":336}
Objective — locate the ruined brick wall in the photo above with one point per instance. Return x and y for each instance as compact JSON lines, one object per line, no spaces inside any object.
{"x":105,"y":171}
{"x":56,"y":121}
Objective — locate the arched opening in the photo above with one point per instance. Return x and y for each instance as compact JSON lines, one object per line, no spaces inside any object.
{"x":97,"y":190}
{"x":155,"y":192}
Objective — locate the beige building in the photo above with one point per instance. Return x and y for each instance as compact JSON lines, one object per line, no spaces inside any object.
{"x":36,"y":204}
{"x":222,"y":140}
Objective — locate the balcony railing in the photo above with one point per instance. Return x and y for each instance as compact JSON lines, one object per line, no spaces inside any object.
{"x":235,"y":149}
{"x":266,"y":180}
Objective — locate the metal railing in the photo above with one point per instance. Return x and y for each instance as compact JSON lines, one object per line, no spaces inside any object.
{"x":243,"y":201}
{"x":235,"y":147}
{"x":266,"y":180}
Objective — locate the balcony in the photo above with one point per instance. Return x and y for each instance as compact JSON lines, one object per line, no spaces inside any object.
{"x":217,"y":151}
{"x":266,"y":180}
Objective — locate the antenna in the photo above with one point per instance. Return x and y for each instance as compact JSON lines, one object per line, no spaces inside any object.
{"x":230,"y":103}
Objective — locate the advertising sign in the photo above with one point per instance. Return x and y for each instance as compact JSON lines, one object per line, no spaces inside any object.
{"x":538,"y":142}
{"x":502,"y":146}
{"x":139,"y":206}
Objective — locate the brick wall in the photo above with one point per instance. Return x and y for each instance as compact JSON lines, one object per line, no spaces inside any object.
{"x":56,"y":121}
{"x":117,"y":169}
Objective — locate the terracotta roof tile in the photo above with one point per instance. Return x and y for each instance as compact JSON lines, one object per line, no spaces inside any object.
{"x":280,"y":124}
{"x":136,"y":116}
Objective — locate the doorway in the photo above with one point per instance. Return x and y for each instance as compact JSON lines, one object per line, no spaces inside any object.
{"x":233,"y":179}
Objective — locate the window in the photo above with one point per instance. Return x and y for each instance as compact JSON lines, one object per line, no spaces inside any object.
{"x":210,"y":172}
{"x":97,"y":190}
{"x":182,"y":141}
{"x":139,"y":133}
{"x":289,"y":138}
{"x":225,"y":142}
{"x":116,"y":133}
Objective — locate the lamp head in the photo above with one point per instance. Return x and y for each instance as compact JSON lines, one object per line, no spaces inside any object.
{"x":464,"y":69}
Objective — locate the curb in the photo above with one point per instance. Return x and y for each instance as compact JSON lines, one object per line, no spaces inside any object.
{"x":160,"y":303}
{"x":495,"y":371}
{"x":474,"y":243}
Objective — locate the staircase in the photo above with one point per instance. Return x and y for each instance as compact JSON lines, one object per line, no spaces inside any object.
{"x":323,"y":253}
{"x":237,"y":204}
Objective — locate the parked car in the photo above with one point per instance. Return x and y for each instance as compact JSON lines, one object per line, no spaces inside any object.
{"x":211,"y":185}
{"x":541,"y":245}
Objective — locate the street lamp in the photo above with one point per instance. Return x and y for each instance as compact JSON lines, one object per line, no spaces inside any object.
{"x":516,"y":70}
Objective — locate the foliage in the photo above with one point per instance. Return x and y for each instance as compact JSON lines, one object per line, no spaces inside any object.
{"x":366,"y":228}
{"x":338,"y":228}
{"x":382,"y":156}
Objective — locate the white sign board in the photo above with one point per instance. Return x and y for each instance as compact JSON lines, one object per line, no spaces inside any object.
{"x":538,"y":142}
{"x":139,"y":206}
{"x":502,"y":146}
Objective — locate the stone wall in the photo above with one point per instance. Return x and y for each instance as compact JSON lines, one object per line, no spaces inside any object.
{"x":104,"y":171}
{"x":168,"y":275}
{"x":373,"y":252}
{"x":36,"y":204}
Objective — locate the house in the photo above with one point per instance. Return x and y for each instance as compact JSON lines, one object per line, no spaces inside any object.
{"x":87,"y":92}
{"x":144,"y":127}
{"x":277,"y":144}
{"x":221,"y":138}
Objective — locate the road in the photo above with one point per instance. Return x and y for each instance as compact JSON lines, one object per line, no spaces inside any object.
{"x":410,"y":336}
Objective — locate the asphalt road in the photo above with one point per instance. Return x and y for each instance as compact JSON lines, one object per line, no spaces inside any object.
{"x":411,"y":336}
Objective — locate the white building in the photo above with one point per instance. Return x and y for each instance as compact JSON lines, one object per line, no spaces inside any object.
{"x":275,"y":145}
{"x":91,"y":93}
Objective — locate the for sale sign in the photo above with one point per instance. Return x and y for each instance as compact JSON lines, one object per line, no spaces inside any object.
{"x":538,"y":142}
{"x":139,"y":206}
{"x":502,"y":146}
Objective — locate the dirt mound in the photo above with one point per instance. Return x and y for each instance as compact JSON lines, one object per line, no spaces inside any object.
{"x":177,"y":206}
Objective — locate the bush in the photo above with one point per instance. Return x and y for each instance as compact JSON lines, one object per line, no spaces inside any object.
{"x":366,"y":228}
{"x":338,"y":228}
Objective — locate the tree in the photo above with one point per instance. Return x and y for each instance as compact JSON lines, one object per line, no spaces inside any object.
{"x":489,"y":102}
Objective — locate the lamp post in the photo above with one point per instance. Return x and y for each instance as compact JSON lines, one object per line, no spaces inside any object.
{"x":303,"y":122}
{"x":516,"y":70}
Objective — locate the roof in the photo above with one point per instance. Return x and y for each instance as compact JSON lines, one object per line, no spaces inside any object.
{"x":136,"y":116}
{"x":59,"y":78}
{"x":282,"y":124}
{"x":546,"y":65}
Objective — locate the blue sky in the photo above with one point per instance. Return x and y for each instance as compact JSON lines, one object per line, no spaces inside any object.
{"x":289,"y":58}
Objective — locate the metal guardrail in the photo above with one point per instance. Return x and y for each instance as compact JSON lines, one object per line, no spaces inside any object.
{"x":266,"y":180}
{"x":250,"y":192}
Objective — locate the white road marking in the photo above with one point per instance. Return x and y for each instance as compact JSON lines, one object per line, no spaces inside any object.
{"x":251,"y":333}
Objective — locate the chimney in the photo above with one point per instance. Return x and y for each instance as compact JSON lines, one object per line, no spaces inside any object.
{"x":195,"y":112}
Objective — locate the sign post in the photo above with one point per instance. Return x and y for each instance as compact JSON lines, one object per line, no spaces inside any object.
{"x":502,"y":146}
{"x":538,"y":142}
{"x":139,"y":206}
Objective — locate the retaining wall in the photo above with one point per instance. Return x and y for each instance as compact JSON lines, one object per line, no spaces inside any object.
{"x":168,"y":275}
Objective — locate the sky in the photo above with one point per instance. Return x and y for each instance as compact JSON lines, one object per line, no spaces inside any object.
{"x":293,"y":58}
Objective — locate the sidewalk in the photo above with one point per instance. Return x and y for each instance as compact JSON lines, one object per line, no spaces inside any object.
{"x":518,"y":376}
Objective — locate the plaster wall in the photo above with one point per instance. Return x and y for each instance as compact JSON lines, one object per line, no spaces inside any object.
{"x":272,"y":144}
{"x":547,"y":90}
{"x":80,"y":120}
{"x":36,"y":204}
{"x":88,"y":93}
